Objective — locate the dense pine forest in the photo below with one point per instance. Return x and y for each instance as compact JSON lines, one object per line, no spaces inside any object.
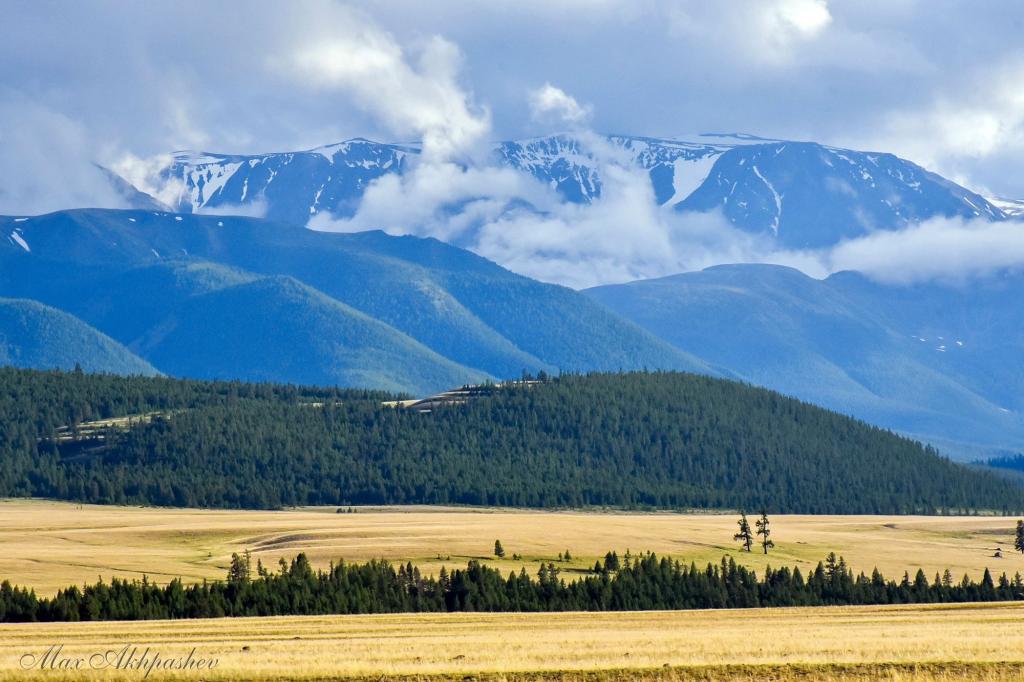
{"x":638,"y":583}
{"x":666,"y":440}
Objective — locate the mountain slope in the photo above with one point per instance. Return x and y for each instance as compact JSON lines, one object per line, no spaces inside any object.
{"x":277,"y":329}
{"x":800,"y":194}
{"x":198,"y":319}
{"x":293,"y":186}
{"x":459,"y":305}
{"x":33,"y":335}
{"x":806,"y":195}
{"x":1012,"y":208}
{"x":933,"y":362}
{"x":973,"y":330}
{"x":633,"y":440}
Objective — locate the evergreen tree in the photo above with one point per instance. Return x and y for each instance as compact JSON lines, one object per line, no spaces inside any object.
{"x":238,"y":572}
{"x":443,"y":578}
{"x":764,"y":531}
{"x":499,"y":551}
{"x":744,"y":536}
{"x":1018,"y":542}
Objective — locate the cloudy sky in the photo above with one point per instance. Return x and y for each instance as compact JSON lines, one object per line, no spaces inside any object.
{"x":121,"y":82}
{"x":933,"y":80}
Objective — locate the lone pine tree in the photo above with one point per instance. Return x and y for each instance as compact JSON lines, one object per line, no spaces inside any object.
{"x":764,"y":531}
{"x":744,"y":536}
{"x":1018,"y":542}
{"x":499,"y":551}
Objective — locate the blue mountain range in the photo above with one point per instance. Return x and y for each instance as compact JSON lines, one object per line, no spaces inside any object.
{"x":938,"y":361}
{"x":800,"y":194}
{"x":179,"y":292}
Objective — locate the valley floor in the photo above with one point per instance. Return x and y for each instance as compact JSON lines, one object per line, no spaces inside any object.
{"x":976,"y":642}
{"x":48,"y":545}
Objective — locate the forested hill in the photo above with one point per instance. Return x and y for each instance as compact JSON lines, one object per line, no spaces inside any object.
{"x":629,"y":440}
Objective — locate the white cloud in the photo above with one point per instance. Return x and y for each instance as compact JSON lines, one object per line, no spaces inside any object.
{"x":807,"y":17}
{"x":949,"y":129}
{"x":547,"y":101}
{"x":422,"y":99}
{"x":944,"y":249}
{"x":145,"y":175}
{"x":254,"y":209}
{"x":956,"y":133}
{"x":778,"y":35}
{"x":47,"y":162}
{"x":440,"y":199}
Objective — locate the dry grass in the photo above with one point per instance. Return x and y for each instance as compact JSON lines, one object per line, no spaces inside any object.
{"x":848,"y":643}
{"x":48,"y":545}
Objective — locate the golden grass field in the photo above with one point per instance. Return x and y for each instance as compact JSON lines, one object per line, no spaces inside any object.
{"x":47,"y":545}
{"x":863,"y":643}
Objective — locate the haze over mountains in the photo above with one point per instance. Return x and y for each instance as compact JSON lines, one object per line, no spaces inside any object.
{"x":216,"y":296}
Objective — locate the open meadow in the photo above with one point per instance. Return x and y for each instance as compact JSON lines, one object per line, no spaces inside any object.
{"x":976,"y":642}
{"x":47,"y":545}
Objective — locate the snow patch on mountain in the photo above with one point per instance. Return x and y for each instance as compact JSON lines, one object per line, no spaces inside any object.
{"x":775,"y":196}
{"x":688,"y":174}
{"x":1012,"y":208}
{"x":19,"y":240}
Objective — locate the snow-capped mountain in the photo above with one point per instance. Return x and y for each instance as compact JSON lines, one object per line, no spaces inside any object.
{"x":801,"y":194}
{"x":809,"y":195}
{"x":676,"y":167}
{"x":292,"y":186}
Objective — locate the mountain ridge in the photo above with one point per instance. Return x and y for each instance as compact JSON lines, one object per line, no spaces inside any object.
{"x":34,"y":335}
{"x":772,"y":188}
{"x":926,"y":361}
{"x":467,"y":310}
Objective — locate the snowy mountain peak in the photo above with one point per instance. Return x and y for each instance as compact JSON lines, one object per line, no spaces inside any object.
{"x":802,"y":194}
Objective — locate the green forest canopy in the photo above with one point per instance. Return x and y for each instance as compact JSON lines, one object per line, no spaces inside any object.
{"x":666,"y":440}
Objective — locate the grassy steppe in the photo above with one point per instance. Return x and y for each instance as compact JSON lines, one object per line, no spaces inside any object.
{"x":48,"y":545}
{"x":977,"y":642}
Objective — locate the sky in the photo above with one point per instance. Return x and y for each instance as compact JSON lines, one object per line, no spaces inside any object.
{"x":121,"y":83}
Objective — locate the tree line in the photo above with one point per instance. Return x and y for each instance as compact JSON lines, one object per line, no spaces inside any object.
{"x":636,"y":440}
{"x":644,"y":582}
